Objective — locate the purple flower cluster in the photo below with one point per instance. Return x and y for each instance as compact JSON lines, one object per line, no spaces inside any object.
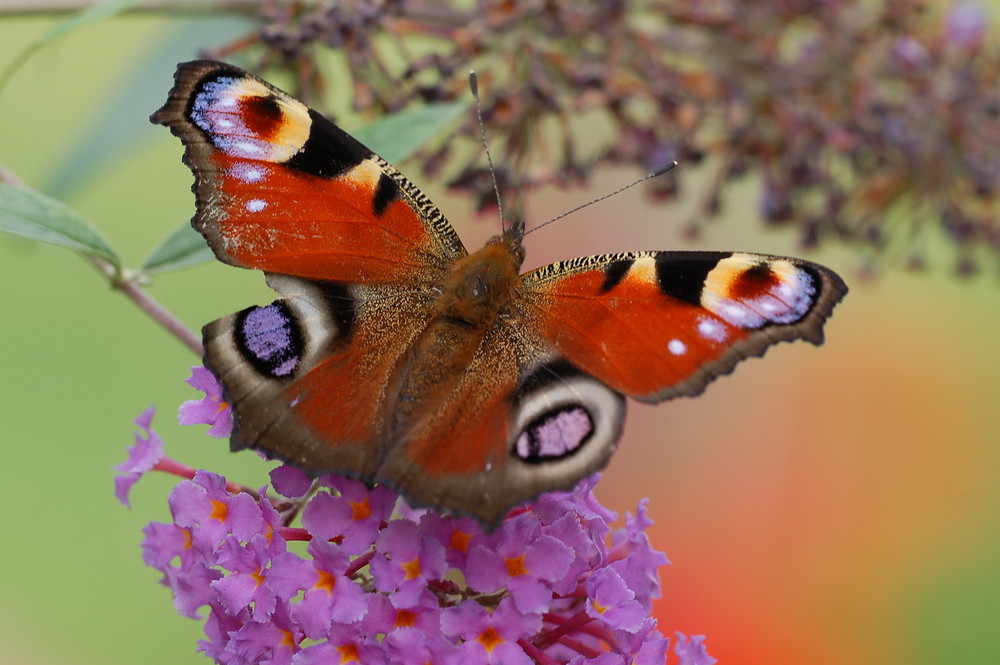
{"x":368,"y":579}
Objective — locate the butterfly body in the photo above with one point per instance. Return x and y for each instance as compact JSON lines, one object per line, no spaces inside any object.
{"x":395,"y":356}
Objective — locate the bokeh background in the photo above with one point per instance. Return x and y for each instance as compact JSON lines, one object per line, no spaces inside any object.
{"x":824,"y":506}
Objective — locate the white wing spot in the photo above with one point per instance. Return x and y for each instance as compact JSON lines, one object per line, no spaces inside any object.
{"x":247,"y":172}
{"x":733,"y":312}
{"x":677,"y":347}
{"x":256,"y":205}
{"x":245,"y":148}
{"x":712,"y":330}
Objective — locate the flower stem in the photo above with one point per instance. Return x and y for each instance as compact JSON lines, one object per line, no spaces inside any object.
{"x":359,"y":563}
{"x":147,"y":303}
{"x":536,"y":654}
{"x":294,"y":533}
{"x":125,"y":281}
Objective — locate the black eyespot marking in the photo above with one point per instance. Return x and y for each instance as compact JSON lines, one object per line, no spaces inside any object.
{"x":614,"y":273}
{"x":329,"y":150}
{"x":270,"y":339}
{"x":683,"y":276}
{"x":543,"y":375}
{"x":343,"y":308}
{"x":386,"y":192}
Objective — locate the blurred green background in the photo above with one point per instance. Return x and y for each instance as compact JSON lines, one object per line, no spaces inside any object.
{"x":839,"y":505}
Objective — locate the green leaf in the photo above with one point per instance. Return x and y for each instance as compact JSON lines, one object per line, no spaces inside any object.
{"x":398,"y":136}
{"x":31,"y":214}
{"x":89,"y":14}
{"x":181,"y":249}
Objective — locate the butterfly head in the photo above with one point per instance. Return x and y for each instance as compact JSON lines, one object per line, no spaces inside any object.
{"x":482,"y":283}
{"x":513,"y":238}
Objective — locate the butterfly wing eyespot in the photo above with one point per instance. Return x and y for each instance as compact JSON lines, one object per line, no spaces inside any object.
{"x":558,"y":411}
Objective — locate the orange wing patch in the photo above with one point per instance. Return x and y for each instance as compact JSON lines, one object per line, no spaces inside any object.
{"x":634,"y":338}
{"x":285,"y":221}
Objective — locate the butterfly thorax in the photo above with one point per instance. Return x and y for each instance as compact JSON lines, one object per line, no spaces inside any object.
{"x":481,"y":284}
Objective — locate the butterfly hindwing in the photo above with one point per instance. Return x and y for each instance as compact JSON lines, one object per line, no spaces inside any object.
{"x":656,"y":325}
{"x":307,"y":374}
{"x":282,"y":189}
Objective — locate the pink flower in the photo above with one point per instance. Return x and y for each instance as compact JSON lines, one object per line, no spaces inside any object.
{"x":142,"y":457}
{"x":210,"y":409}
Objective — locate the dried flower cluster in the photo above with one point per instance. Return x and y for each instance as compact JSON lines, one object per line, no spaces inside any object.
{"x":877,"y":123}
{"x":367,"y":579}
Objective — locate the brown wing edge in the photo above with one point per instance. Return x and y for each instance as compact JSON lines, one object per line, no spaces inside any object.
{"x":830,"y":288}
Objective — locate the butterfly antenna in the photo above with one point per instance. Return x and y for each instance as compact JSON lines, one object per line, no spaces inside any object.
{"x":474,"y":86}
{"x":654,"y":174}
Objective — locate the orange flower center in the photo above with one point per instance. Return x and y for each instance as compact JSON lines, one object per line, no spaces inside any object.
{"x":219,"y":510}
{"x":348,"y":652}
{"x":515,"y":566}
{"x":489,"y":639}
{"x":326,"y":581}
{"x":412,"y":569}
{"x":361,"y":509}
{"x":460,"y":540}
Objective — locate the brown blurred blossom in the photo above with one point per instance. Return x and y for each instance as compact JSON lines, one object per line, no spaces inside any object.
{"x":876,"y":123}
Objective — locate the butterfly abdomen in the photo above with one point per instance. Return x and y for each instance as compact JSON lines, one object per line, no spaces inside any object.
{"x":427,"y":375}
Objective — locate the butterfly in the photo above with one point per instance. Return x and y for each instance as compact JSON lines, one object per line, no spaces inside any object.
{"x":396,"y":357}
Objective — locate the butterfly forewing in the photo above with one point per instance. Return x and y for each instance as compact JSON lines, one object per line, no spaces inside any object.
{"x":282,"y":189}
{"x":655,"y":325}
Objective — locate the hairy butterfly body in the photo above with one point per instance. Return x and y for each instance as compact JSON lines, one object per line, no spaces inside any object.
{"x":396,"y":357}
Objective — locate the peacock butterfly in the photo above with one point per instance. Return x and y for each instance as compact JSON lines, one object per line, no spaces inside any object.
{"x":396,"y":357}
